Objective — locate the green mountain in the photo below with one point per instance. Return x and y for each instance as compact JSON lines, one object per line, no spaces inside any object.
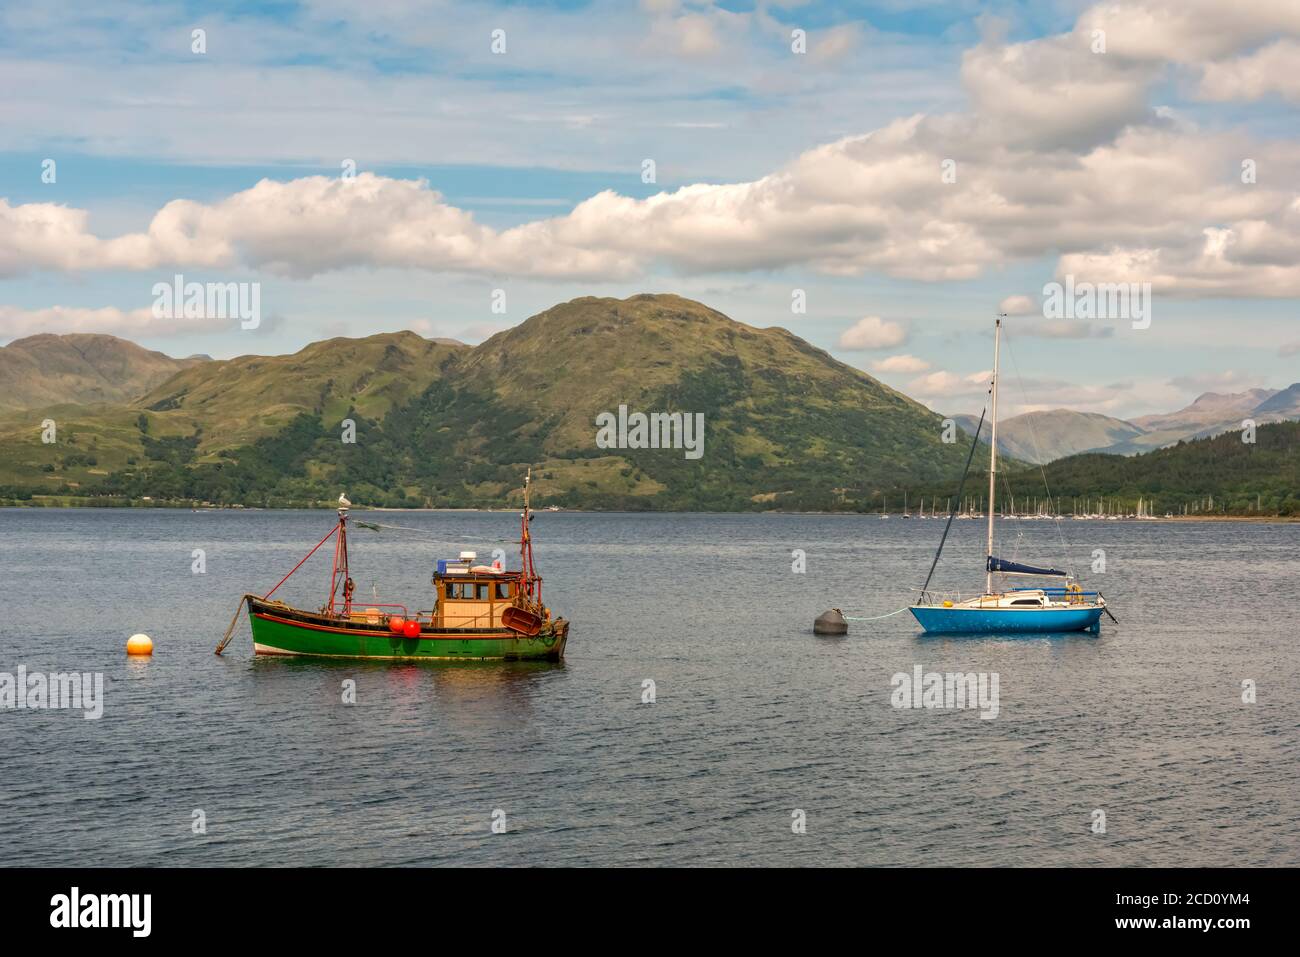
{"x":200,"y":415}
{"x":238,"y":401}
{"x":437,"y":423}
{"x":46,"y":370}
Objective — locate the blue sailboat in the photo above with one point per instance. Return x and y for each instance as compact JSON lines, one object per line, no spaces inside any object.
{"x":1060,"y":607}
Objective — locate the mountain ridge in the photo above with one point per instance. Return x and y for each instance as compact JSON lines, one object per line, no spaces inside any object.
{"x":438,"y":422}
{"x":82,"y":368}
{"x":1207,"y":409}
{"x":788,"y":425}
{"x":1060,"y":433}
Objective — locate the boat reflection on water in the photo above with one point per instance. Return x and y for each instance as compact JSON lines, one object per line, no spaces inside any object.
{"x":485,"y":696}
{"x":964,"y":639}
{"x":463,"y":696}
{"x":474,"y":680}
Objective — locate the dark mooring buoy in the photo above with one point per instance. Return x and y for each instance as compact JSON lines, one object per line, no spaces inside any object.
{"x":831,"y":623}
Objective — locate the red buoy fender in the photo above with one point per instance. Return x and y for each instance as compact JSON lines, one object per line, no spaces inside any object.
{"x":411,"y":629}
{"x":396,"y":623}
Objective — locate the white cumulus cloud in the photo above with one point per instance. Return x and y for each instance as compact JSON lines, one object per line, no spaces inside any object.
{"x":943,"y":384}
{"x":1061,"y":154}
{"x":872,"y":332}
{"x":1272,"y":69}
{"x":900,"y":363}
{"x":1018,"y":306}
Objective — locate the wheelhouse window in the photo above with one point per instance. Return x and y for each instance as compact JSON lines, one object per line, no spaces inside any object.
{"x":502,"y":590}
{"x":467,"y":591}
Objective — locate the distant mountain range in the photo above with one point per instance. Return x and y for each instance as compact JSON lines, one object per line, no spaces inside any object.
{"x":441,"y":423}
{"x":1046,"y":436}
{"x":445,"y":424}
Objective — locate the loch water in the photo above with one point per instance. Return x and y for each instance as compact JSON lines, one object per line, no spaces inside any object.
{"x":753,"y":718}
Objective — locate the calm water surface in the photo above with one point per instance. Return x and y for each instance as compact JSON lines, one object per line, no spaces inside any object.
{"x":754,"y":718}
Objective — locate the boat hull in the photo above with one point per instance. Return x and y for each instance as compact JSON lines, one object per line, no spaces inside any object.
{"x":285,"y":631}
{"x":985,"y":621}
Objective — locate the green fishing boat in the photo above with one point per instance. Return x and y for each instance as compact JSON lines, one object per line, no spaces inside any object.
{"x":480,"y":612}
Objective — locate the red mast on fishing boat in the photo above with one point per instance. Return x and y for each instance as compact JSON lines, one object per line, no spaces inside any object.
{"x":339,"y":574}
{"x":532,"y":584}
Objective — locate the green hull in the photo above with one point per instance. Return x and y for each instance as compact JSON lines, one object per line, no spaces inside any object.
{"x":281,"y":631}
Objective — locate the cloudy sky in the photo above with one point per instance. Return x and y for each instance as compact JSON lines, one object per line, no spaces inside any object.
{"x":912,"y":167}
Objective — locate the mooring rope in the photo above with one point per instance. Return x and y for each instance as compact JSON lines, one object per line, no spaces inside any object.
{"x":376,"y":526}
{"x":878,"y":617}
{"x":225,"y":639}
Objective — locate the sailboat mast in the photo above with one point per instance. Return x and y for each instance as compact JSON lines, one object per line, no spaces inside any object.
{"x":993,"y":452}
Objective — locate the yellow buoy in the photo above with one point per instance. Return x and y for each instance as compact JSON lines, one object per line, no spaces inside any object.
{"x":947,"y":603}
{"x":139,"y":645}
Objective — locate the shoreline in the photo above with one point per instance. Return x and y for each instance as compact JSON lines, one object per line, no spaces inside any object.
{"x":1249,"y":519}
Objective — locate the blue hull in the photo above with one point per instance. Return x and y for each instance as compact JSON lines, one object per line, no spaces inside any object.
{"x":984,"y":621}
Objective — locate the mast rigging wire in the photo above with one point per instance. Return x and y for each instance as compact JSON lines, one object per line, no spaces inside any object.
{"x":971,"y":455}
{"x":1042,"y":469}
